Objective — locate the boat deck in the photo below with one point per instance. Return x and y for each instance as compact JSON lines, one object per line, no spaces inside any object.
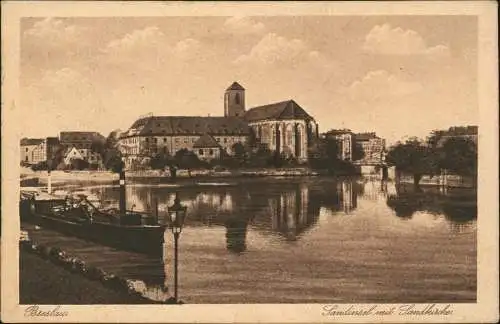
{"x":38,"y":194}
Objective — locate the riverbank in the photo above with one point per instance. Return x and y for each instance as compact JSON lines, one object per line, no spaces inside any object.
{"x":183,"y":177}
{"x":42,"y":282}
{"x":64,"y":177}
{"x":451,"y":181}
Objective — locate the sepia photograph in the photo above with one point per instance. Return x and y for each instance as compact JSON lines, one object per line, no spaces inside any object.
{"x":274,"y":155}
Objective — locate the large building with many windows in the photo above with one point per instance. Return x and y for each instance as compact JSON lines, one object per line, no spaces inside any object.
{"x":345,"y":140}
{"x":36,"y":150}
{"x":284,"y":127}
{"x":373,"y":147}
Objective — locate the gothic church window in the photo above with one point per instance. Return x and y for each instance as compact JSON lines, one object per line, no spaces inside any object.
{"x":237,"y":98}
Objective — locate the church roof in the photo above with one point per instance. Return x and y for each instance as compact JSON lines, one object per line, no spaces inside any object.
{"x":206,"y":141}
{"x":188,"y":125}
{"x":280,"y":110}
{"x":235,"y":86}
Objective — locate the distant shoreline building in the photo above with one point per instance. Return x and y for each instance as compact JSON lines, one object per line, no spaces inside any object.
{"x":468,"y":132}
{"x":36,"y":150}
{"x":373,"y":148}
{"x":78,"y":145}
{"x":75,"y":145}
{"x":346,"y":140}
{"x":285,"y":127}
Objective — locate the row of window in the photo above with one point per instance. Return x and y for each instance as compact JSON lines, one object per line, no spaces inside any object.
{"x":186,"y":140}
{"x":165,"y":151}
{"x":80,"y":145}
{"x":131,"y":140}
{"x":210,"y":152}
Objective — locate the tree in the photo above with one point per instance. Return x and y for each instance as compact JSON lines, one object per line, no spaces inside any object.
{"x":79,"y":164}
{"x":459,"y":155}
{"x":40,"y":166}
{"x":261,"y":157}
{"x":99,"y":146}
{"x":323,"y":155}
{"x":187,"y":160}
{"x":239,"y":153}
{"x":107,"y":148}
{"x":57,"y":158}
{"x":159,"y":161}
{"x":112,"y":139}
{"x":414,"y":157}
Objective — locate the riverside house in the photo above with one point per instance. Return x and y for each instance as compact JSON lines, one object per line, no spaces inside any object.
{"x":82,"y":143}
{"x":36,"y":150}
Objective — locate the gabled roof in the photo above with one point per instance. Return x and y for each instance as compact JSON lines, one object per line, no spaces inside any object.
{"x":69,"y":149}
{"x":206,"y":141}
{"x":280,"y":110}
{"x":31,"y":141}
{"x":80,"y":136}
{"x":235,"y":86}
{"x":188,"y":125}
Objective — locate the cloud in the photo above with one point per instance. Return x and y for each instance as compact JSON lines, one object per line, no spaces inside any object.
{"x":383,"y":39}
{"x":66,"y":98}
{"x":188,"y":48}
{"x":381,"y":84}
{"x":141,"y":40}
{"x":149,"y":47}
{"x":62,"y":89}
{"x":50,"y":29}
{"x":50,"y":42}
{"x":273,"y":48}
{"x":243,"y":25}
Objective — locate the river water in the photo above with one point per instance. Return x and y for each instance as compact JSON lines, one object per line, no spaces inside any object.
{"x":313,"y":240}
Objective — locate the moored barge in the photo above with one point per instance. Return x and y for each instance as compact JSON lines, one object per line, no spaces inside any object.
{"x":77,"y":216}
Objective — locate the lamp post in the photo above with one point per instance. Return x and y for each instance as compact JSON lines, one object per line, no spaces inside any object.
{"x":177,"y":215}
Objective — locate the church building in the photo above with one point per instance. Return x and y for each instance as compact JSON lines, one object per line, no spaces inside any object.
{"x":285,"y":127}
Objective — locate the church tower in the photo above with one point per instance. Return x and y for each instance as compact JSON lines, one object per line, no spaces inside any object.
{"x":234,"y":101}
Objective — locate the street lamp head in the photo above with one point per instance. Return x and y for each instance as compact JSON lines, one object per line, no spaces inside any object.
{"x":177,"y":215}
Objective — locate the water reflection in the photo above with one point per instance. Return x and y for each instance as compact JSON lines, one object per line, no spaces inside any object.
{"x":289,"y":209}
{"x":457,"y":205}
{"x":236,"y":233}
{"x":287,"y":213}
{"x":262,"y":215}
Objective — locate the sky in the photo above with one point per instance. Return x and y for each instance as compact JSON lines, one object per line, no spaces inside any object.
{"x":398,"y":76}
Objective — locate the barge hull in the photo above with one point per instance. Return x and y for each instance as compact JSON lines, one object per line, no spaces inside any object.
{"x":142,"y":239}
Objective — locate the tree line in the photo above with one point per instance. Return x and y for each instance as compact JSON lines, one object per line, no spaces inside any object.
{"x":323,"y":154}
{"x":418,"y":157}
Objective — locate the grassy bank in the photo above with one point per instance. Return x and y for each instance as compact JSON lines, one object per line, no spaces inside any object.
{"x":42,"y":282}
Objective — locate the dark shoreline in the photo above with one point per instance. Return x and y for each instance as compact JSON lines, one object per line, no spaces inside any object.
{"x":49,"y":276}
